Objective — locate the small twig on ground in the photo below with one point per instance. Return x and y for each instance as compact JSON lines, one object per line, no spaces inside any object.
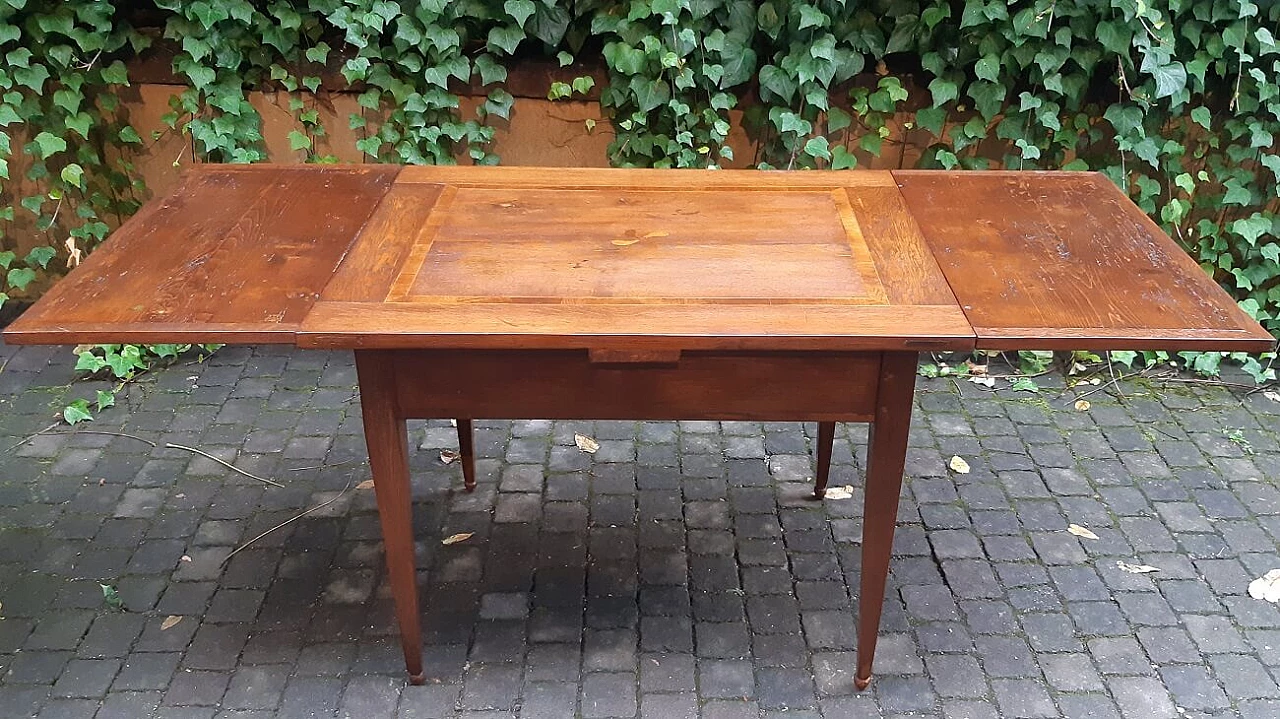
{"x":286,"y":523}
{"x":28,"y":439}
{"x":1214,"y":383}
{"x":273,"y":483}
{"x":113,"y":434}
{"x":1105,"y":385}
{"x":322,"y":466}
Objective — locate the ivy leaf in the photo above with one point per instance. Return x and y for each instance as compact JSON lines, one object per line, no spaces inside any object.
{"x":32,"y":77}
{"x":89,"y":362}
{"x":931,"y":119}
{"x":817,"y":147}
{"x":73,"y":174}
{"x":506,"y":39}
{"x":6,"y":259}
{"x":75,"y":413}
{"x":105,"y":399}
{"x":489,"y":69}
{"x":20,"y":277}
{"x":1237,"y":194}
{"x":987,"y":68}
{"x":299,"y":141}
{"x":943,"y":91}
{"x":1202,"y":117}
{"x":115,"y":74}
{"x":837,"y":119}
{"x":520,"y":10}
{"x":811,"y":16}
{"x":842,"y":159}
{"x":650,"y":93}
{"x":39,"y":256}
{"x":739,"y":64}
{"x":1252,"y":227}
{"x":1170,"y":79}
{"x":778,"y":82}
{"x":129,"y":136}
{"x":319,"y":53}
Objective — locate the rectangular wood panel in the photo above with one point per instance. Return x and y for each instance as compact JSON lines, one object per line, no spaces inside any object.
{"x":408,"y":325}
{"x":235,"y":254}
{"x":1066,"y":261}
{"x":798,"y":386}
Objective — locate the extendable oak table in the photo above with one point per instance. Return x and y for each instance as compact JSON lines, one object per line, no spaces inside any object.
{"x":470,"y":292}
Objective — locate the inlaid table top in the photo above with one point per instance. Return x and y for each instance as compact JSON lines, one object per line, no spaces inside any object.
{"x":378,"y":256}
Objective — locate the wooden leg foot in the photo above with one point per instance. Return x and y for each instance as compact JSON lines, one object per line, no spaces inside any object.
{"x":418,"y":679}
{"x":467,"y":455}
{"x":861,"y":683}
{"x":826,"y":437}
{"x":886,"y":459}
{"x":386,"y":436}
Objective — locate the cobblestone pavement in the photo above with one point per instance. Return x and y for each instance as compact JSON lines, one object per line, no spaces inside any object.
{"x":678,"y":572}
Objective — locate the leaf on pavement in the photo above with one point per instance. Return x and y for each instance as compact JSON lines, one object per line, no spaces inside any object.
{"x":958,"y":465}
{"x":170,"y":622}
{"x":585,"y":443}
{"x":455,"y":538}
{"x":844,"y":492}
{"x":449,"y":456}
{"x":1081,"y":531}
{"x":1266,"y":587}
{"x":367,"y":484}
{"x":1136,"y":568}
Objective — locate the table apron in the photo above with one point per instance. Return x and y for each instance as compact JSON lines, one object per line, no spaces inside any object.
{"x":567,"y":384}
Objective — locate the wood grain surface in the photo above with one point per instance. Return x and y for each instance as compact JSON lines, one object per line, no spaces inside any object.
{"x":377,"y":256}
{"x":1065,"y":261}
{"x":236,"y":254}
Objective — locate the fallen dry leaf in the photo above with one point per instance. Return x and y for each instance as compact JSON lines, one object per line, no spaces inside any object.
{"x":455,"y":538}
{"x":958,"y":465}
{"x":367,"y":484}
{"x":1083,"y":405}
{"x":976,"y":369}
{"x":186,"y":558}
{"x":984,"y":381}
{"x":1266,"y":587}
{"x":844,"y":492}
{"x":1081,"y":531}
{"x":74,"y":254}
{"x":170,"y":622}
{"x":1272,"y":395}
{"x":1136,"y":568}
{"x":624,"y":243}
{"x":585,"y":443}
{"x":448,"y":456}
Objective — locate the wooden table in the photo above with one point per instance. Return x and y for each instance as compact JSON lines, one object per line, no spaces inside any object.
{"x":640,"y":294}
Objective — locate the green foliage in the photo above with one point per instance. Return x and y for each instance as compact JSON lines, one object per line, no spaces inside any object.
{"x":120,"y":364}
{"x":1177,"y":102}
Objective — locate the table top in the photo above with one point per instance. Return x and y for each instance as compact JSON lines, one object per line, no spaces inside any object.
{"x":378,"y":256}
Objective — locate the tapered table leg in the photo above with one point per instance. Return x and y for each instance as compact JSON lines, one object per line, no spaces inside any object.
{"x":826,"y":437}
{"x":887,"y":455}
{"x":467,"y":454}
{"x":386,"y":436}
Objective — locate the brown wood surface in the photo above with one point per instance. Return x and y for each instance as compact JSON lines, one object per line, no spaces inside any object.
{"x":886,"y":458}
{"x":566,"y":384}
{"x":641,"y":260}
{"x":386,"y":436}
{"x":235,"y":254}
{"x":1059,"y":260}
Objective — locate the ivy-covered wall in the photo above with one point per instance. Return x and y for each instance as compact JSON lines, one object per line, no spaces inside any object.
{"x":1178,"y":101}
